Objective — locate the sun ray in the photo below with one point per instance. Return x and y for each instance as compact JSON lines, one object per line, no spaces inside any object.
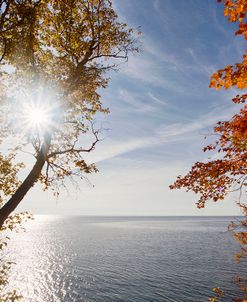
{"x":37,"y":116}
{"x":36,"y":111}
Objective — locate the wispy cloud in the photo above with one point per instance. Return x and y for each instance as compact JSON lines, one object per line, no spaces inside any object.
{"x":199,"y":65}
{"x":162,"y":69}
{"x":185,"y":130}
{"x":144,"y":103}
{"x":165,"y":134}
{"x":134,"y":101}
{"x":108,"y":148}
{"x":159,"y":101}
{"x":155,"y":73}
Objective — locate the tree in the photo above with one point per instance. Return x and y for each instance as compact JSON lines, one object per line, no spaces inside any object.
{"x":215,"y":179}
{"x":55,"y":55}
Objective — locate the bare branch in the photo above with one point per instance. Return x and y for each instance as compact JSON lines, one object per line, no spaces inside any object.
{"x":79,"y":150}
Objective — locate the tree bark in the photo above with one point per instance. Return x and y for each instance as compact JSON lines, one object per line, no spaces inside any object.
{"x":29,"y":181}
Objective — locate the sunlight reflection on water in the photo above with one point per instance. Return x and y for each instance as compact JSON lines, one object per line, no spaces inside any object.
{"x":123,"y":259}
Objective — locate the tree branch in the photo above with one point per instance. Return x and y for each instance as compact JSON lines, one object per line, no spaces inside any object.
{"x":32,"y":177}
{"x":74,"y":150}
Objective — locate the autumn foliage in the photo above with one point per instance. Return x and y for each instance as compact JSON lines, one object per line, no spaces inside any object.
{"x":59,"y":53}
{"x":54,"y":58}
{"x":234,"y":75}
{"x":215,"y":179}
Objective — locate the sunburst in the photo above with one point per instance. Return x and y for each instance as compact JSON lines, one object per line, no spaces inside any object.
{"x":37,"y":117}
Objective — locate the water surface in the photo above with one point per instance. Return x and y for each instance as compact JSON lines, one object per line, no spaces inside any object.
{"x":124,"y":259}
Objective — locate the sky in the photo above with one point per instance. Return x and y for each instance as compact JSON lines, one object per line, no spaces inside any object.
{"x":161,"y":109}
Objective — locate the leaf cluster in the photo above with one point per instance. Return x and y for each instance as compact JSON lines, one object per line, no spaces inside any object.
{"x":8,"y":176}
{"x":55,"y":53}
{"x":60,"y":53}
{"x":215,"y":179}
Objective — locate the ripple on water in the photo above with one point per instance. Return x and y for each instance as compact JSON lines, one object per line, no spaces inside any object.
{"x":124,"y":259}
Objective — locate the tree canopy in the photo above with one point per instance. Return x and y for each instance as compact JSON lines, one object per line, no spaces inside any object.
{"x":54,"y":57}
{"x":215,"y":179}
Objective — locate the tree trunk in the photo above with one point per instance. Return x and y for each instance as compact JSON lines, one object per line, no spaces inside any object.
{"x":29,"y":181}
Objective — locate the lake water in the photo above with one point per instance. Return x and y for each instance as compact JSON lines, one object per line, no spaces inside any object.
{"x":124,"y":259}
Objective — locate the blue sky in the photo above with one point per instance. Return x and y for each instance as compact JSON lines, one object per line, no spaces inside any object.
{"x":161,"y":109}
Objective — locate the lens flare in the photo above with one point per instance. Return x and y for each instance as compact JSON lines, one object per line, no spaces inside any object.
{"x":37,"y":116}
{"x":34,"y":111}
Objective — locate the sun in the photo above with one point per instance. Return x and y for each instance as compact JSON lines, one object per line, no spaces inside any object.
{"x":37,"y":119}
{"x":36,"y":111}
{"x":37,"y":116}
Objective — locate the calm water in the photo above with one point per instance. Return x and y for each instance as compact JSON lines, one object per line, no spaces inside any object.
{"x":124,"y":259}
